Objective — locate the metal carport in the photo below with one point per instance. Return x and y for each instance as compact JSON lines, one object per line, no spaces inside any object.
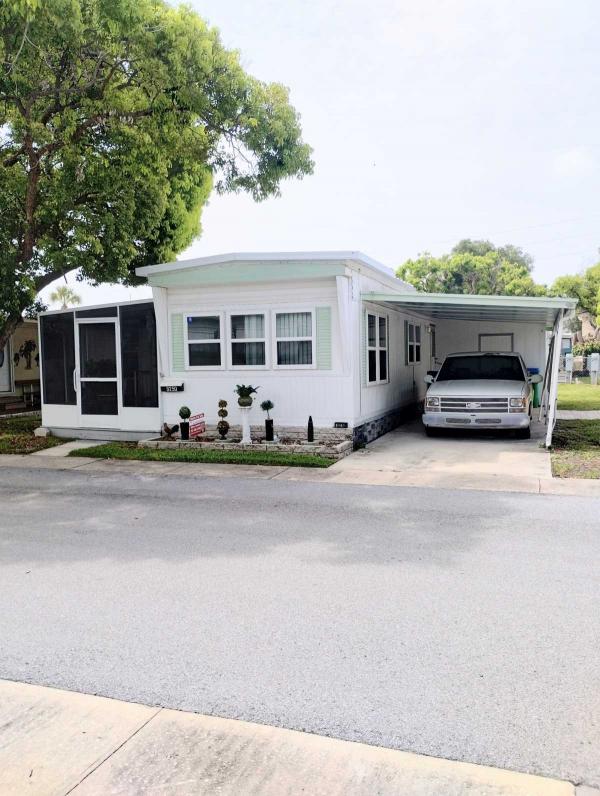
{"x":549,"y":311}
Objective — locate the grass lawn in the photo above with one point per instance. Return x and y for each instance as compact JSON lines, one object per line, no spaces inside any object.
{"x":576,"y":449}
{"x":130,"y":450}
{"x":578,"y":396}
{"x":16,"y":435}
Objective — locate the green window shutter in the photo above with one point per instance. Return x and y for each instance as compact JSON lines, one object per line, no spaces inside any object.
{"x":323,"y":334}
{"x":406,"y":342}
{"x":177,"y":354}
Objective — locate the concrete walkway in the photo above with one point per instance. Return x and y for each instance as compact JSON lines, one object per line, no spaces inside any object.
{"x":56,"y":742}
{"x":578,"y":414}
{"x":60,"y":451}
{"x":367,"y":475}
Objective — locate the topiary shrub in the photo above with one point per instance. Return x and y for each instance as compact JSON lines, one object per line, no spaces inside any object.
{"x":222,"y":425}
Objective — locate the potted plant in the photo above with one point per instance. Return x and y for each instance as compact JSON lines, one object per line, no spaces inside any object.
{"x":244,"y":393}
{"x":222,"y":425}
{"x":184,"y":426}
{"x":266,"y":406}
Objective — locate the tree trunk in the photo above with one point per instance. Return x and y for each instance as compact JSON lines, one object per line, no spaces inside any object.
{"x":29,"y":234}
{"x":7,"y":329}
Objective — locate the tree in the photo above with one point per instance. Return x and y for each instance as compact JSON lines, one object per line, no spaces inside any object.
{"x":65,"y":296}
{"x":117,"y":119}
{"x":585,"y":287}
{"x":476,"y":267}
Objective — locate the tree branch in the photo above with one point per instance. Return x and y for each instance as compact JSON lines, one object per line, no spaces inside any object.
{"x":10,"y":160}
{"x":46,"y":279}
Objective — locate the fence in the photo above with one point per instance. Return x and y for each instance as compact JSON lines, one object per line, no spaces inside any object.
{"x":577,"y":368}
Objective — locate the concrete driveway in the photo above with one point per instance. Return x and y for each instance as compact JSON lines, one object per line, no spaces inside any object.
{"x":456,"y":454}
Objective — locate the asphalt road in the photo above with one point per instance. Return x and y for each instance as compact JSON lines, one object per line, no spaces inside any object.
{"x":459,"y":624}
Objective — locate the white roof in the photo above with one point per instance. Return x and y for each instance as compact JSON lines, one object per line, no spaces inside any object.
{"x":355,"y":257}
{"x":464,"y":307}
{"x":351,"y":259}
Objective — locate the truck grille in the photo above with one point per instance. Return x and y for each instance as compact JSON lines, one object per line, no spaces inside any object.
{"x":474,"y":405}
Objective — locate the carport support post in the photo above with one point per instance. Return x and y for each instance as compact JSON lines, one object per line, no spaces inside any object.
{"x":557,"y":333}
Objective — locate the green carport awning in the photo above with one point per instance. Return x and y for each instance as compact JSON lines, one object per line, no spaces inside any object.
{"x":462,"y":307}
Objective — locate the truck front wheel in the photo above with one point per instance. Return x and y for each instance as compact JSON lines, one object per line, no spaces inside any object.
{"x":524,"y":433}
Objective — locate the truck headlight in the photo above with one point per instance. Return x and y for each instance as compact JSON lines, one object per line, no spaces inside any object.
{"x":519,"y":404}
{"x":433,"y":404}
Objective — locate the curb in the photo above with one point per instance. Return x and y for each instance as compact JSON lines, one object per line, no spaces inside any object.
{"x":484,"y":483}
{"x":55,"y":741}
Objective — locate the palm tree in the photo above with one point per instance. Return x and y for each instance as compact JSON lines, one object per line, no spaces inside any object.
{"x":66,"y":296}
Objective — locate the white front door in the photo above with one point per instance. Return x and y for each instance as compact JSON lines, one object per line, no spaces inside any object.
{"x":98,"y":373}
{"x":5,"y":380}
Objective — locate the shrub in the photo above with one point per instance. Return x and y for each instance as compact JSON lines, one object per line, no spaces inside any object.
{"x":585,"y":349}
{"x":266,"y":406}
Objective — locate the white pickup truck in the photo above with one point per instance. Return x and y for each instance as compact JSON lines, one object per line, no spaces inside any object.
{"x":480,"y":391}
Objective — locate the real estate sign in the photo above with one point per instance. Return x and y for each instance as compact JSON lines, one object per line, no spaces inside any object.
{"x":197,"y":425}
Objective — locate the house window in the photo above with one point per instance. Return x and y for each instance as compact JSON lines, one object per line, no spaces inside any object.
{"x":377,"y":348}
{"x":294,"y":339}
{"x":248,"y":340}
{"x":204,"y":341}
{"x":413,"y":343}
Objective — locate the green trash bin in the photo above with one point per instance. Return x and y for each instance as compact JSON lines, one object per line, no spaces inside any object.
{"x":537,"y":388}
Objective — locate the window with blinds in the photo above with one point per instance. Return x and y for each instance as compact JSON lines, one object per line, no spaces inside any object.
{"x":412,"y":342}
{"x":377,"y":348}
{"x":248,"y":341}
{"x":294,"y":339}
{"x":204,"y":341}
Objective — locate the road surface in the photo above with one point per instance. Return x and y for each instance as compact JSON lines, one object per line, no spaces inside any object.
{"x":459,"y":624}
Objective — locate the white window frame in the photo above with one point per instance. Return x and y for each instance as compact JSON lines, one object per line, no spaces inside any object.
{"x":418,"y":347}
{"x":378,"y":348}
{"x":312,"y":338}
{"x":221,"y":340}
{"x":231,"y":340}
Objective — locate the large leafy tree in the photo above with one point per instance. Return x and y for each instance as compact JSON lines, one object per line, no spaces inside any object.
{"x":474,"y":266}
{"x":117,"y":119}
{"x":585,"y":287}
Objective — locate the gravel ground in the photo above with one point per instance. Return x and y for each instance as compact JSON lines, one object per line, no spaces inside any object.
{"x":458,"y":624}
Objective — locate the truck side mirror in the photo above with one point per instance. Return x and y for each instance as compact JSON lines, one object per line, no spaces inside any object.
{"x":536,"y":378}
{"x":428,"y":379}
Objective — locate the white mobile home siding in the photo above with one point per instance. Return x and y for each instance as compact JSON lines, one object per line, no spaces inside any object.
{"x":529,"y":338}
{"x":325,"y":393}
{"x":405,"y":385}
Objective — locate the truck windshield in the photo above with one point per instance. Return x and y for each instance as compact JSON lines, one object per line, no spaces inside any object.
{"x":483,"y":367}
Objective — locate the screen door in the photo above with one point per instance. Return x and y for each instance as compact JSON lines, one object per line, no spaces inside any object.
{"x":98,"y":376}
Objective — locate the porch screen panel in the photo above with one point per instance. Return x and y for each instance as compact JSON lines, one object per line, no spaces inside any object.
{"x":58,"y":358}
{"x":139,"y":367}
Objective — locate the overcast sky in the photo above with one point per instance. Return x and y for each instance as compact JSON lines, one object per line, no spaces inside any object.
{"x":431,"y":121}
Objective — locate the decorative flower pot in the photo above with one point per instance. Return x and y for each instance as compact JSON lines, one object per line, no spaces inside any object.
{"x":223,"y":428}
{"x":245,"y":401}
{"x":184,"y":428}
{"x":269,"y":430}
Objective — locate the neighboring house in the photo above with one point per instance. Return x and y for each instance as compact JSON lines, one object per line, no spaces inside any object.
{"x":19,"y":370}
{"x":333,"y":335}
